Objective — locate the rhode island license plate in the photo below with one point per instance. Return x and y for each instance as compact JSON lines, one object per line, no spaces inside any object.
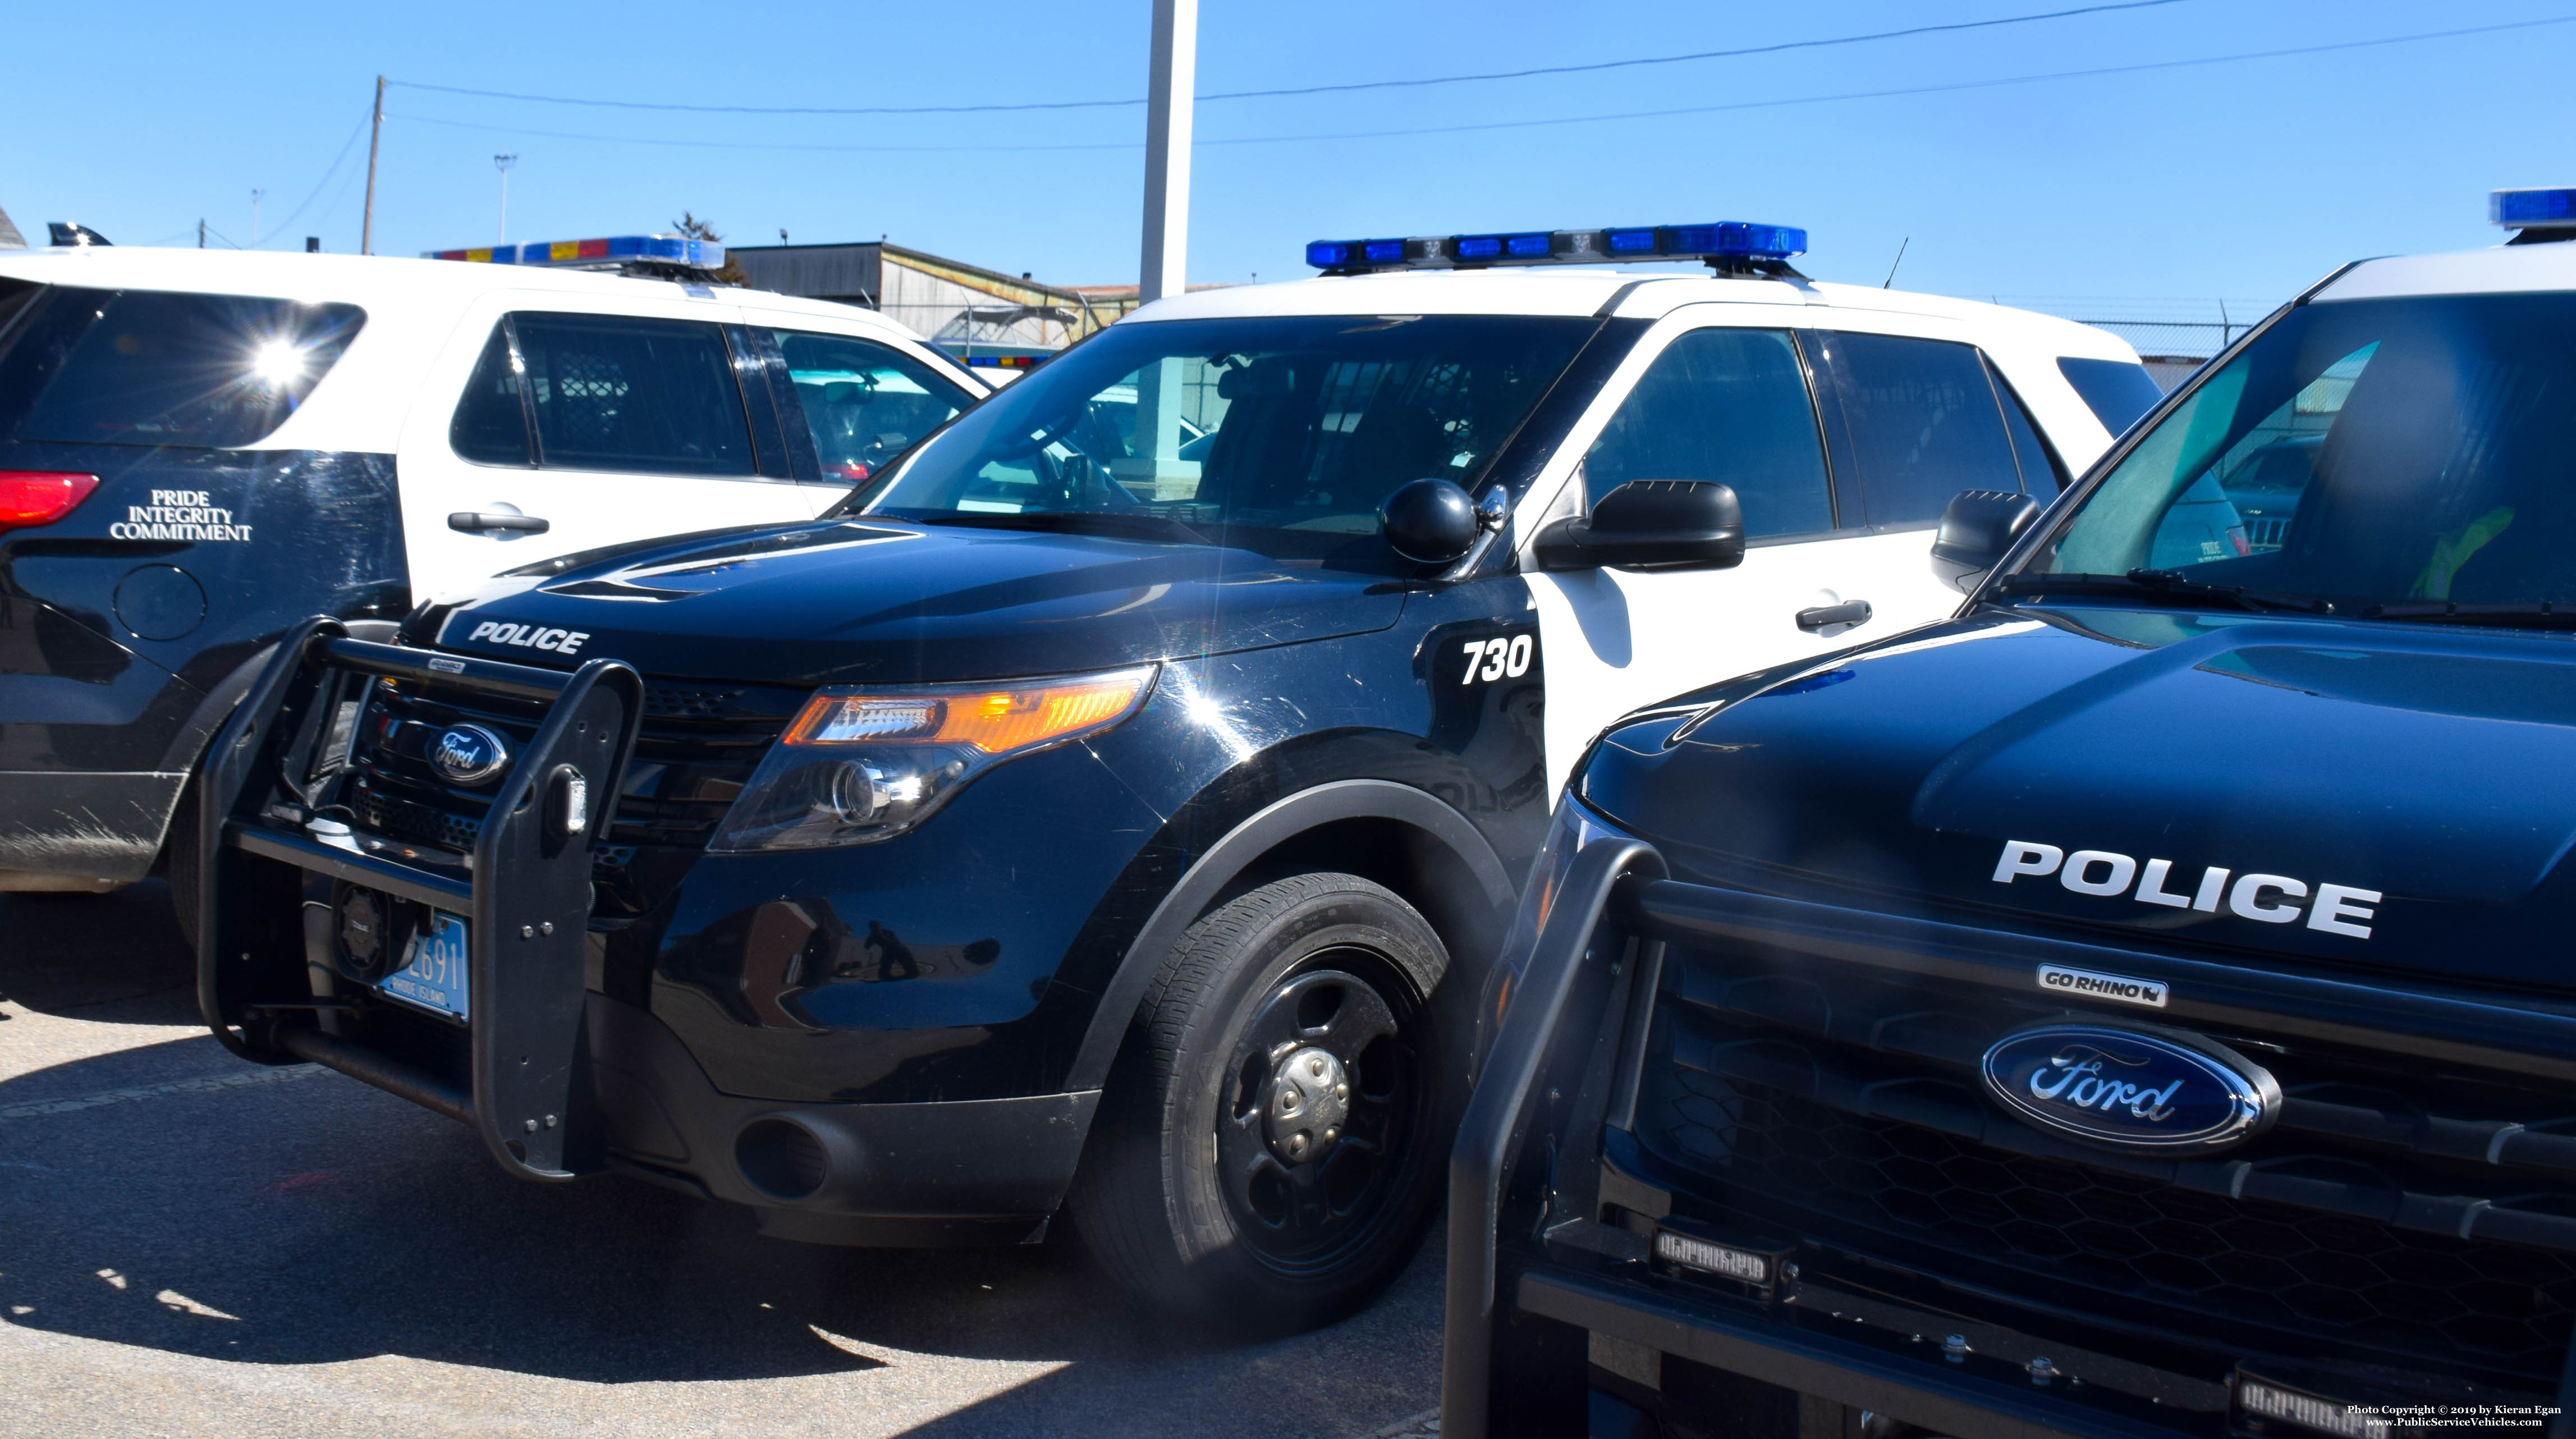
{"x":434,"y":975}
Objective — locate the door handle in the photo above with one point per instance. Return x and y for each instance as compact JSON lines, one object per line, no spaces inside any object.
{"x":484,"y":522}
{"x":1834,"y":619}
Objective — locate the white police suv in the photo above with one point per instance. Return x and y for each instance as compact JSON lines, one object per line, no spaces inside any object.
{"x":199,"y":449}
{"x":1118,"y":802}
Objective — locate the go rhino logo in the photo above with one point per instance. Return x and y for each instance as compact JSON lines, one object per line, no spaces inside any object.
{"x":2263,"y":898}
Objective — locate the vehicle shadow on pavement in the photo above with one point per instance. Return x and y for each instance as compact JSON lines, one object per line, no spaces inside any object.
{"x":170,"y":1197}
{"x":115,"y":958}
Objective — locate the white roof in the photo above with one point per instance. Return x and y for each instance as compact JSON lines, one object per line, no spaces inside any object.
{"x":2505,"y":269}
{"x":1584,"y":289}
{"x":371,"y":281}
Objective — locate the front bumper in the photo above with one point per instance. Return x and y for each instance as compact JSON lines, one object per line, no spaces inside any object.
{"x":1564,"y":1189}
{"x":559,"y":1079}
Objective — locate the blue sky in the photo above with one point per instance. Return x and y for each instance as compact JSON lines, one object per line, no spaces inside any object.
{"x":2176,"y":186}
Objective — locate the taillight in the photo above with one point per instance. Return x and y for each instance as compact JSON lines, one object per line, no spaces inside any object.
{"x":40,"y":497}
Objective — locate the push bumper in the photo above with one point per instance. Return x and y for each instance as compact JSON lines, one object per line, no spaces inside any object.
{"x":559,"y":1080}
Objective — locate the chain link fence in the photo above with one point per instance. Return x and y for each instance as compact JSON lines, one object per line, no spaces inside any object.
{"x":2173,"y":337}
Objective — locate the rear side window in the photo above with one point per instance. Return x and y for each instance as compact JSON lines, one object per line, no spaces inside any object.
{"x":1924,"y":425}
{"x":606,"y":392}
{"x":1729,"y":406}
{"x":864,"y":402}
{"x":2116,"y":391}
{"x":148,"y":367}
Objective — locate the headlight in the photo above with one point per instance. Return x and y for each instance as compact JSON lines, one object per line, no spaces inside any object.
{"x":863,"y":764}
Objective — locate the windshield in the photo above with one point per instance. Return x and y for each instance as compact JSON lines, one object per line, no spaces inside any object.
{"x":1274,"y":433}
{"x":2405,"y":457}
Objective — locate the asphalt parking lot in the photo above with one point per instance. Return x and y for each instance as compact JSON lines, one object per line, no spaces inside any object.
{"x":191,"y":1245}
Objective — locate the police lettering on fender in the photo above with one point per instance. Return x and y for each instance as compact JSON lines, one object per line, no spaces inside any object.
{"x":2252,"y":896}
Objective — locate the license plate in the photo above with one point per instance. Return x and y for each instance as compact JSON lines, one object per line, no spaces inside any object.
{"x":433,"y":973}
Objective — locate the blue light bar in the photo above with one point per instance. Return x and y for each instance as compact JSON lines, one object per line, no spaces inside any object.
{"x":608,"y":253}
{"x":2547,"y":208}
{"x":1731,"y":246}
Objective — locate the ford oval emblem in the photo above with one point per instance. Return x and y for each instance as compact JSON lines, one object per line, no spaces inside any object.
{"x":468,"y":754}
{"x":2131,"y":1089}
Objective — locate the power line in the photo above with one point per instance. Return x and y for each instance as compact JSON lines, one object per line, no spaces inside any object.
{"x":1404,"y":84}
{"x":1530,"y":124}
{"x":336,"y":160}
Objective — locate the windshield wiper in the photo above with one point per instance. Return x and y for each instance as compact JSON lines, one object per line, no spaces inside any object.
{"x":2162,"y":582}
{"x":1073,"y":522}
{"x":2527,"y":614}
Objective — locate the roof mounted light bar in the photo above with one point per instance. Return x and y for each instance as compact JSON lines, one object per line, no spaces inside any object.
{"x":1730,"y":247}
{"x":652,"y":254}
{"x":2540,"y":215}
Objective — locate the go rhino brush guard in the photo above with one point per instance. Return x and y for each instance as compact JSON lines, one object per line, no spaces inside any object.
{"x":277,"y":867}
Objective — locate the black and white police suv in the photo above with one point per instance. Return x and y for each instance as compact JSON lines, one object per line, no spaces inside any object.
{"x":198,"y":450}
{"x":1124,"y":793}
{"x":2138,"y":1006}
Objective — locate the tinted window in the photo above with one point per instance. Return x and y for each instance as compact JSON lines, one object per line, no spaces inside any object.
{"x":2116,"y":391}
{"x":2392,"y":456}
{"x":490,"y":426}
{"x":1729,"y":406}
{"x":864,"y":402}
{"x":2041,"y":472}
{"x":150,"y":368}
{"x":1923,"y":426}
{"x":1277,"y":433}
{"x":617,"y":393}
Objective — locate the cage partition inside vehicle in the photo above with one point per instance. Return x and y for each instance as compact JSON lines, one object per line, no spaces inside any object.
{"x":453,"y":977}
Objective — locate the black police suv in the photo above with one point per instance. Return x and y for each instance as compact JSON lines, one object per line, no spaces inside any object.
{"x":2138,"y":1006}
{"x":1121,"y":796}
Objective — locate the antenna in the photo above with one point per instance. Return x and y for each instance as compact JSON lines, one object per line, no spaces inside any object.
{"x":1900,"y":259}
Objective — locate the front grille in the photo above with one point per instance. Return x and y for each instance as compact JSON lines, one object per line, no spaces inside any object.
{"x":1845,"y":1108}
{"x":695,"y":749}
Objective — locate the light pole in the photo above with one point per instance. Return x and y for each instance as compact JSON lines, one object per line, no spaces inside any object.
{"x":503,"y":164}
{"x":1165,"y":271}
{"x":1174,"y":67}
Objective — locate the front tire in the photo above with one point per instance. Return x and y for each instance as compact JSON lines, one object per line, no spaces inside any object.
{"x":1270,"y":1147}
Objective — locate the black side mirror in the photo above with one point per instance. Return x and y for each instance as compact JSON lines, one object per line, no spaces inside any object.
{"x":1650,"y":525}
{"x":1430,"y":522}
{"x":1977,"y":529}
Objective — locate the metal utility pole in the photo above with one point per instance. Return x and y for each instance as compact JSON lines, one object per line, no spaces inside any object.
{"x":201,"y":233}
{"x":1167,"y":149}
{"x":503,"y":163}
{"x":375,"y":137}
{"x":254,"y":217}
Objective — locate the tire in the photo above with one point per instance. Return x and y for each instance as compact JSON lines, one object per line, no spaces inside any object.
{"x":1225,"y":1178}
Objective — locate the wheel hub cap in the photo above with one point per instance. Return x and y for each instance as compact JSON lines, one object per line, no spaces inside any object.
{"x":1310,"y":1100}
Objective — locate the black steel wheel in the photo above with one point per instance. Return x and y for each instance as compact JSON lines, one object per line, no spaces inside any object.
{"x":1271,"y":1142}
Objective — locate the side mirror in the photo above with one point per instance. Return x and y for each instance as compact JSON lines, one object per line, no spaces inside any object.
{"x":1650,"y":525}
{"x":1430,"y":522}
{"x":1977,"y":529}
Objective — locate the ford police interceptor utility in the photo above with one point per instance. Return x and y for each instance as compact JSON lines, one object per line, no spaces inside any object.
{"x":2137,"y":1006}
{"x":1124,"y":792}
{"x":198,"y":450}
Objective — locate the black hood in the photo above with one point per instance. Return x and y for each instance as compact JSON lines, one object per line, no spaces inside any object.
{"x":1975,"y":763}
{"x":850,"y":601}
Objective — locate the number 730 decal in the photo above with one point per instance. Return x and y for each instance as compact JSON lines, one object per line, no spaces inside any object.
{"x":1496,"y":658}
